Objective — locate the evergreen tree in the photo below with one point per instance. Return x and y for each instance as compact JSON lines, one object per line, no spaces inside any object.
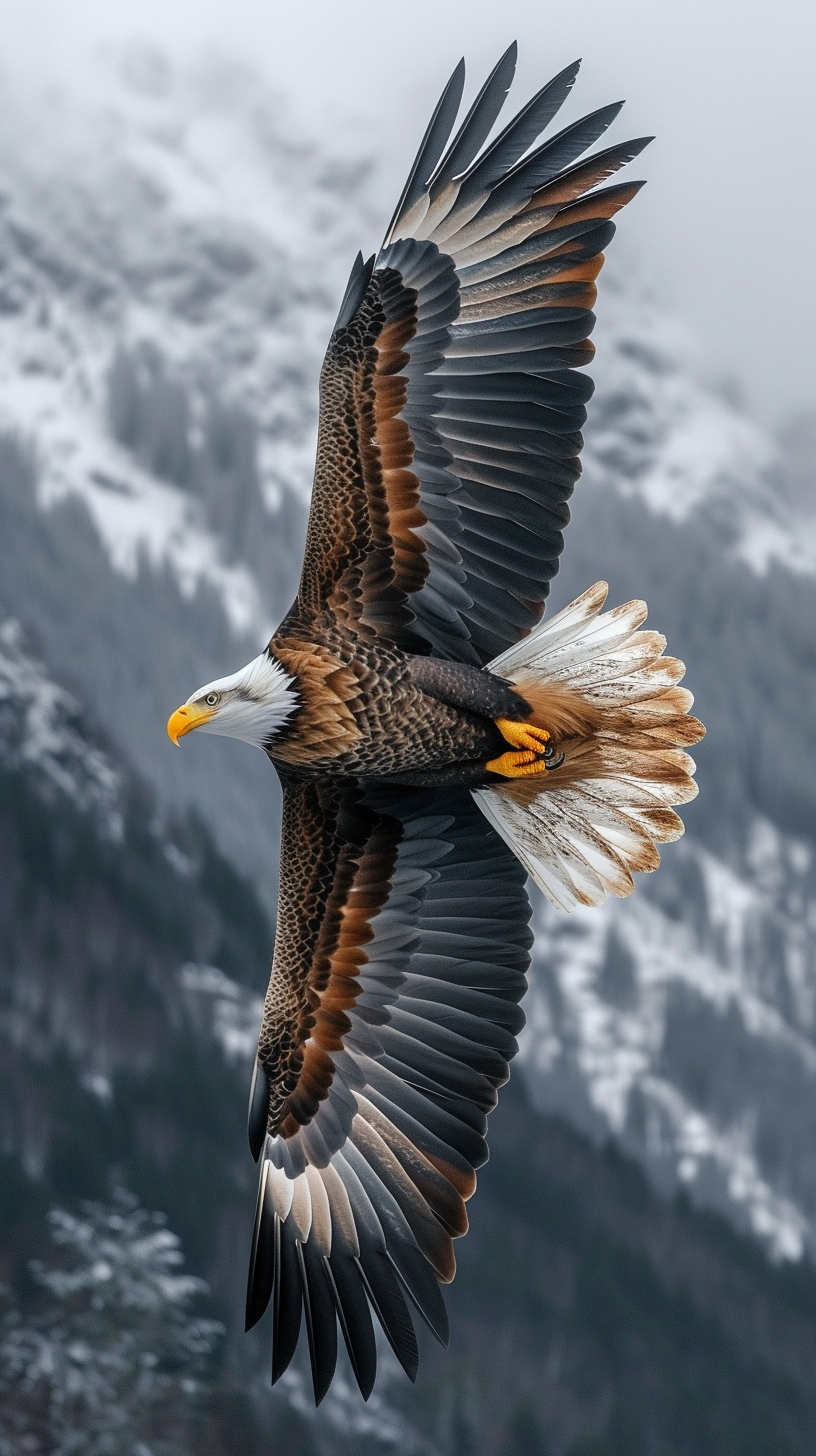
{"x":110,"y":1359}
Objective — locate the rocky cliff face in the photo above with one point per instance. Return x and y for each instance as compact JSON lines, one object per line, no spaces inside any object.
{"x":169,"y":267}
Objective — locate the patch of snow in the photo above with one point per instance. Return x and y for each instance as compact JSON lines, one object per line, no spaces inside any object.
{"x":698,"y":1142}
{"x":99,"y":1084}
{"x":233,"y":1013}
{"x":40,"y":728}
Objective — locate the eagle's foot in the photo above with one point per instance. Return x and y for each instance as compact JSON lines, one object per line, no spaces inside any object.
{"x":517,"y":765}
{"x":523,"y":735}
{"x":532,"y":741}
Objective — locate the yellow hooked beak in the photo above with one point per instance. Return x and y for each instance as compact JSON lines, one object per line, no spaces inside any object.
{"x":185,"y":719}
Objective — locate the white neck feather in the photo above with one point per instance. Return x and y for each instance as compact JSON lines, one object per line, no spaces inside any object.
{"x":255,"y":702}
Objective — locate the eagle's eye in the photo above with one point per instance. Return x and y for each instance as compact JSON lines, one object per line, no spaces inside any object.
{"x":212,"y":699}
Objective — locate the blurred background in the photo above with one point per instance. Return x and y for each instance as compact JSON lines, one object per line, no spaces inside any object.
{"x":182,"y":190}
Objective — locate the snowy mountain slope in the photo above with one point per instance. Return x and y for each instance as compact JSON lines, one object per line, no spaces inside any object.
{"x":178,"y":212}
{"x":130,"y":647}
{"x":683,"y":1022}
{"x":171,"y":258}
{"x":40,"y":733}
{"x":660,"y":432}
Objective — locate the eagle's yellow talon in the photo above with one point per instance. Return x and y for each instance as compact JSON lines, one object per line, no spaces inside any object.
{"x":523,"y":735}
{"x":516,"y":765}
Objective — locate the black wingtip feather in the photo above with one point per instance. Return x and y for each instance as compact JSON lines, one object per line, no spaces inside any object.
{"x":503,"y":154}
{"x":258,"y":1113}
{"x":613,"y":157}
{"x":354,"y":1315}
{"x":385,"y":1293}
{"x":321,"y":1321}
{"x":262,"y":1258}
{"x":419,"y":1282}
{"x":559,"y":151}
{"x":433,"y":144}
{"x":477,"y":124}
{"x":287,"y":1302}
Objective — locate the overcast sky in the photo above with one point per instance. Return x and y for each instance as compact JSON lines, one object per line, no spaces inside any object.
{"x":725,"y":228}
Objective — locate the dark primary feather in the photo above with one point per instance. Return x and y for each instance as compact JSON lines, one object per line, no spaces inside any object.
{"x":548,"y":160}
{"x":355,"y":290}
{"x":262,"y":1255}
{"x":433,"y":142}
{"x":353,"y":1315}
{"x":321,"y":1316}
{"x":478,"y":123}
{"x":258,"y":1110}
{"x":287,"y":1297}
{"x":503,"y":154}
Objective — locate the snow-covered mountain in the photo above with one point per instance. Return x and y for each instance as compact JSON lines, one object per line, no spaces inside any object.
{"x":171,"y":258}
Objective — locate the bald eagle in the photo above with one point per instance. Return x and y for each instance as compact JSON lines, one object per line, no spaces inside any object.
{"x":435,"y":741}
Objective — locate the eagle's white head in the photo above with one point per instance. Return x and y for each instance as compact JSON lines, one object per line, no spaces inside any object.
{"x":252,"y":704}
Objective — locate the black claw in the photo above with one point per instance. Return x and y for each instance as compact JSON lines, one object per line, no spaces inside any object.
{"x":551,"y":763}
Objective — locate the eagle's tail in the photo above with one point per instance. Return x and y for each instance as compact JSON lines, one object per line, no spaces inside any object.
{"x":612,"y":705}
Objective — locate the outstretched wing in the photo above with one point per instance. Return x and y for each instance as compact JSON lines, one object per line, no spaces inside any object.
{"x":450,"y":401}
{"x":400,"y":958}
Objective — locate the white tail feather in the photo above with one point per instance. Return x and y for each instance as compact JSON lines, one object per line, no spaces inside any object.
{"x":580,"y":831}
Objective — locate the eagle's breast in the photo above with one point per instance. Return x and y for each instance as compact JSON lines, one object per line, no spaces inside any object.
{"x":324,"y":726}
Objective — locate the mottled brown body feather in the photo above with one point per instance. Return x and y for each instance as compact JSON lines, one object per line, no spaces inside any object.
{"x":362,"y":713}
